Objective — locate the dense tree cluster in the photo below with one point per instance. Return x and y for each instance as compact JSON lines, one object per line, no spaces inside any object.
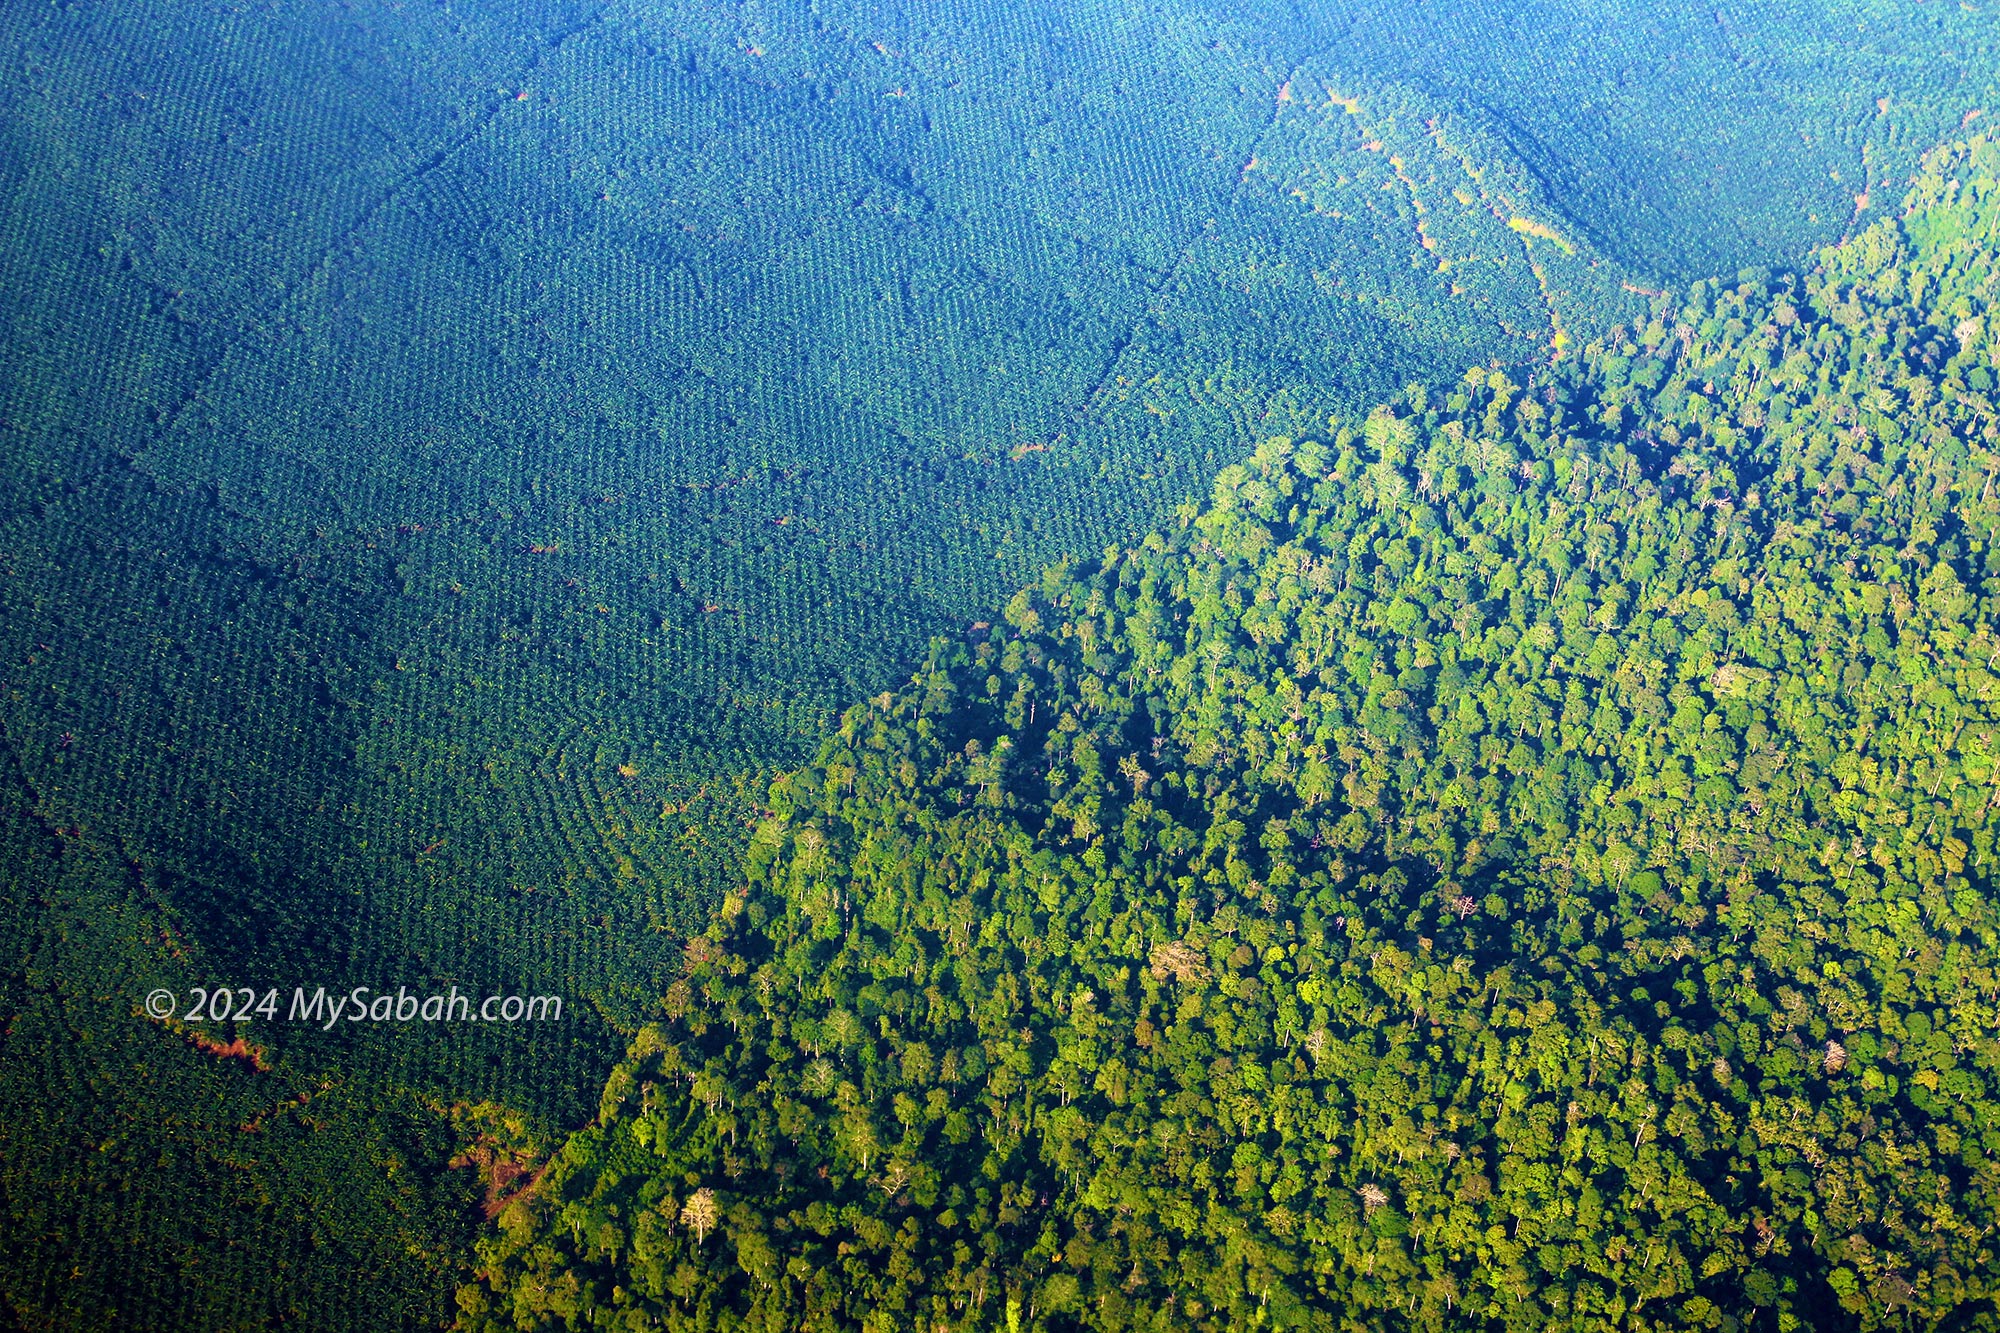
{"x":1523,"y":861}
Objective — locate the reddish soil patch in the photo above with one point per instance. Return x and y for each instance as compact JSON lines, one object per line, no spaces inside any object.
{"x":238,"y":1049}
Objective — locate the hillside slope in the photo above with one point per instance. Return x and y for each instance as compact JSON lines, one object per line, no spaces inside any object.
{"x":1523,"y":861}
